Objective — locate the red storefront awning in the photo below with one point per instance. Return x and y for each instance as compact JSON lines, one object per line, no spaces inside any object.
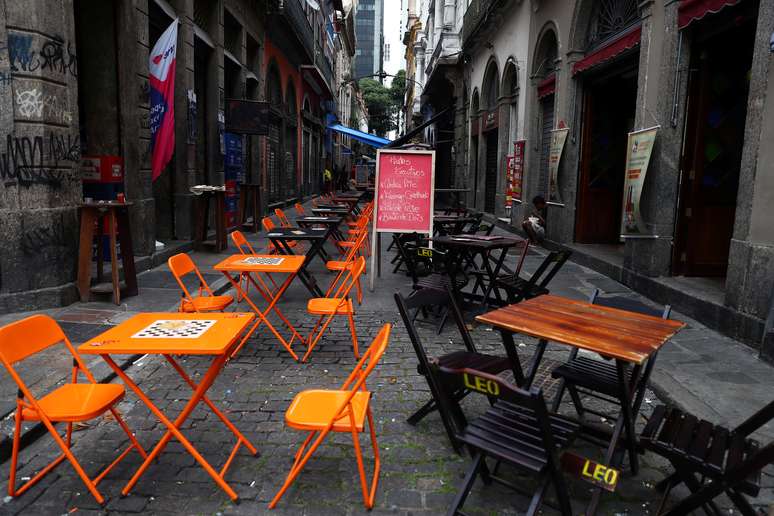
{"x":621,"y":44}
{"x":547,"y":86}
{"x":692,"y":10}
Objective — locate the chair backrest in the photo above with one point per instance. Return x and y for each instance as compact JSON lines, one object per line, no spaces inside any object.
{"x":353,"y":273}
{"x":357,"y":378}
{"x":349,"y":260}
{"x":267,"y":223}
{"x":182,"y":265}
{"x":493,"y":386}
{"x":300,"y":211}
{"x":241,"y":243}
{"x":402,"y":242}
{"x":423,"y":298}
{"x":282,"y":217}
{"x":547,"y":270}
{"x":22,"y":339}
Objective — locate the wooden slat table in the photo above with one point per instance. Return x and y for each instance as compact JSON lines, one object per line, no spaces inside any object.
{"x":632,"y":339}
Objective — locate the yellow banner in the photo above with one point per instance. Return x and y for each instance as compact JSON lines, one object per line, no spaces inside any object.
{"x":637,"y":160}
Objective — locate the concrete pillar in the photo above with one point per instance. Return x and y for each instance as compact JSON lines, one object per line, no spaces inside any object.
{"x":449,"y":14}
{"x":655,"y":98}
{"x":40,"y":186}
{"x":750,"y":280}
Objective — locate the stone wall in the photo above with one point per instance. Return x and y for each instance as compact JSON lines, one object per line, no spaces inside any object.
{"x":40,"y":187}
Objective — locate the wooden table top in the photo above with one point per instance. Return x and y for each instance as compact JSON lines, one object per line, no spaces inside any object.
{"x":236,"y":263}
{"x":216,"y":339}
{"x":612,"y":332}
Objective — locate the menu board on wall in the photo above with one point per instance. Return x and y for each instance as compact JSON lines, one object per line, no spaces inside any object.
{"x":518,"y":169}
{"x":640,"y":148}
{"x":404,"y":191}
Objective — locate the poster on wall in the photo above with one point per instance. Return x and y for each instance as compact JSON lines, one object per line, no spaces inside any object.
{"x":518,"y":169}
{"x":558,"y":137}
{"x":640,"y":147}
{"x":509,"y":164}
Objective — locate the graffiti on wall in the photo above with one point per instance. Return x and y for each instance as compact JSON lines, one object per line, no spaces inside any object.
{"x":39,"y":160}
{"x":54,"y":55}
{"x":33,"y":103}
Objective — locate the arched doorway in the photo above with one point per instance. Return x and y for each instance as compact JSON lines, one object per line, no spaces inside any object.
{"x":290,"y":181}
{"x":609,"y":108}
{"x":490,"y":96}
{"x":274,"y":156}
{"x":306,"y":148}
{"x":544,"y":70}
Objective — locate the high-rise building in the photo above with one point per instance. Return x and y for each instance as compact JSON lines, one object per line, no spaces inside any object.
{"x":369,"y":32}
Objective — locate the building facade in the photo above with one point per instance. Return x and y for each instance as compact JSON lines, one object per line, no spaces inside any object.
{"x":701,"y":73}
{"x":74,"y":89}
{"x":369,"y":32}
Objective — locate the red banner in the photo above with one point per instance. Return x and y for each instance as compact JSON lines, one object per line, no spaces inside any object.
{"x":518,"y":169}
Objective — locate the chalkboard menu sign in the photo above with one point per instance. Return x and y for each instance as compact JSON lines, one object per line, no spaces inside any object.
{"x":247,"y":117}
{"x":404,"y":191}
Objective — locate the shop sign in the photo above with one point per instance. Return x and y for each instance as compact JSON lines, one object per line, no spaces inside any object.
{"x":640,"y":147}
{"x":558,"y":137}
{"x":509,"y":164}
{"x":518,"y":169}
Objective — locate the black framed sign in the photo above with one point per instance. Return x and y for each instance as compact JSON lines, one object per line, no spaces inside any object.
{"x":247,"y":117}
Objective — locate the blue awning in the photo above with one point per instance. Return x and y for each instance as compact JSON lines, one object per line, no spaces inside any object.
{"x":369,"y":139}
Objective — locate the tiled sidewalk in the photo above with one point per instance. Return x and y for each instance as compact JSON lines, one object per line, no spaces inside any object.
{"x":710,"y":375}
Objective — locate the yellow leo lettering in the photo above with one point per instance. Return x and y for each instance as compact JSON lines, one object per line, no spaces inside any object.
{"x":492,"y":387}
{"x":466,"y":380}
{"x":611,"y":477}
{"x":585,"y":471}
{"x":480,"y":385}
{"x":599,"y":472}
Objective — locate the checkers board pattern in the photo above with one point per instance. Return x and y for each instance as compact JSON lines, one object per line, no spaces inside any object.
{"x":175,"y":329}
{"x":262,"y":260}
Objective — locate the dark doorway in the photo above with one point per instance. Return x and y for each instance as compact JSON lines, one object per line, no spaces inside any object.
{"x":474,"y":163}
{"x":490,"y":184}
{"x":717,"y":110}
{"x":609,"y":108}
{"x":546,"y":126}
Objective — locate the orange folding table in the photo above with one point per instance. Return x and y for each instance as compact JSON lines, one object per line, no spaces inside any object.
{"x":167,"y":334}
{"x":249,"y":266}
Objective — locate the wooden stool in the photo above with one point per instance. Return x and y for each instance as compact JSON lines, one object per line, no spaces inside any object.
{"x":117,"y":216}
{"x":249,"y":205}
{"x":203,"y":220}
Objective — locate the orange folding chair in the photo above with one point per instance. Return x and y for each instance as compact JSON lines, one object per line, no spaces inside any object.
{"x":345,"y":245}
{"x":181,"y":265}
{"x":284,"y":221}
{"x":339,"y":303}
{"x":341,"y":265}
{"x":300,"y":211}
{"x":320,"y":412}
{"x":70,"y":403}
{"x":240,"y":241}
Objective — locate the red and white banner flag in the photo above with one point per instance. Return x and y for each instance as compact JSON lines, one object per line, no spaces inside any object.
{"x":162,"y":99}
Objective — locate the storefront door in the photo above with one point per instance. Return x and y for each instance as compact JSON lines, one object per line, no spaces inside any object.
{"x":609,"y":108}
{"x":490,"y":184}
{"x":717,"y":109}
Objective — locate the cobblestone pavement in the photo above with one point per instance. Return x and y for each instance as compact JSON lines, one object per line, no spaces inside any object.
{"x":420,"y":472}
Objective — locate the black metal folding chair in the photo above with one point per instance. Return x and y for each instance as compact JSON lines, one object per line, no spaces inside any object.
{"x":727,"y":460}
{"x":418,"y":301}
{"x":519,"y":289}
{"x":517,"y":430}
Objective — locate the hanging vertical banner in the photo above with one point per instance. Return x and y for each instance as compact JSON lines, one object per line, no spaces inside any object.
{"x":558,"y":137}
{"x":161,"y":65}
{"x":518,"y":169}
{"x":508,"y":184}
{"x":640,"y":146}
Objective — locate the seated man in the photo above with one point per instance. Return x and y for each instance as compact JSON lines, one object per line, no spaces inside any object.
{"x":534,"y":224}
